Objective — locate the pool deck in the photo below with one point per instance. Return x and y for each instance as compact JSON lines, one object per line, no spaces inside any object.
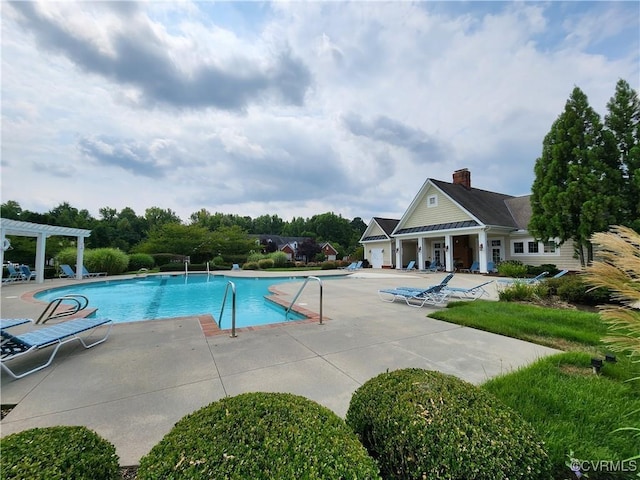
{"x":134,"y":387}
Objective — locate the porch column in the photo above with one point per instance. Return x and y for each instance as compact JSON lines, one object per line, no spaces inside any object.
{"x":80,"y":258}
{"x":448,"y":254}
{"x":398,"y":254}
{"x":2,"y":237}
{"x":41,"y":243}
{"x":483,"y":249}
{"x":421,"y":251}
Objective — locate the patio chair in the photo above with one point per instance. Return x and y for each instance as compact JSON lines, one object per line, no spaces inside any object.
{"x":14,"y":275}
{"x":351,"y":266}
{"x":474,"y":268}
{"x":87,"y":274}
{"x":526,"y":281}
{"x":16,"y":346}
{"x":27,"y":274}
{"x":434,"y":295}
{"x":433,"y":267}
{"x":13,"y":322}
{"x":411,"y":266}
{"x":67,"y":271}
{"x":560,"y":273}
{"x":491,"y":267}
{"x":442,"y":283}
{"x":472,"y":293}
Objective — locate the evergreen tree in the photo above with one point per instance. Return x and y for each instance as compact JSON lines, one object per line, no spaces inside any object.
{"x":623,"y":122}
{"x":575,"y":192}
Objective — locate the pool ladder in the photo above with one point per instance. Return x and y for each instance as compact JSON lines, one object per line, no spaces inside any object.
{"x":300,"y":291}
{"x":80,"y":302}
{"x":233,"y":307}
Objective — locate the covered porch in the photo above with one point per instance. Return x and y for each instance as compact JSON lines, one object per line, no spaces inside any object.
{"x":452,"y":249}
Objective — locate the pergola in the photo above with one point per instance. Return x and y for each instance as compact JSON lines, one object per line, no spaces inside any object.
{"x":41,"y":232}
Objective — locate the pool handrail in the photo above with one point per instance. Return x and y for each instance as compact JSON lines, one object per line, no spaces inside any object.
{"x":233,"y":307}
{"x":81,"y":302}
{"x":300,"y":291}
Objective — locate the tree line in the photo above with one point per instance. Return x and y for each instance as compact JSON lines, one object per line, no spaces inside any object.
{"x":588,"y":175}
{"x":204,"y":236}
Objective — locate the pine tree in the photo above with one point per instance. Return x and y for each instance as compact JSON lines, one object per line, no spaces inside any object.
{"x":576,"y":189}
{"x":623,"y":121}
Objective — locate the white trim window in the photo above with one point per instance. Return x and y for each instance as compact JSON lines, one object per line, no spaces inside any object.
{"x":432,"y":201}
{"x":530,"y":247}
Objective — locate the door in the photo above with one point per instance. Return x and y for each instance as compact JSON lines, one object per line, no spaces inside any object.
{"x":377,"y":258}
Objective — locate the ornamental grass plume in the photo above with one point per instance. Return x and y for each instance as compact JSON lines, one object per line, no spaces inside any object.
{"x":618,"y":268}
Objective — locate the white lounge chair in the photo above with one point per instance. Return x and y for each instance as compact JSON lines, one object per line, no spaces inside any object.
{"x":16,"y":346}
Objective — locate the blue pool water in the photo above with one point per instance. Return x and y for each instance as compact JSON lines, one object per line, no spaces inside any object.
{"x":168,"y":296}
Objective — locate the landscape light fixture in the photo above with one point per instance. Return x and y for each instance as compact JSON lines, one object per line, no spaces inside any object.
{"x":610,"y":358}
{"x":596,"y":365}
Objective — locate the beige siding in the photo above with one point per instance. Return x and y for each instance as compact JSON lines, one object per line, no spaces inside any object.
{"x":386,"y":245}
{"x":445,"y":212}
{"x":563,"y":259}
{"x":375,"y":230}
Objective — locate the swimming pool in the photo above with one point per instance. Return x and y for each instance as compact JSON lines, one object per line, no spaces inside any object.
{"x":169,"y":296}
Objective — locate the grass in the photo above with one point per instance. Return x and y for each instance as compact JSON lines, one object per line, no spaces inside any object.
{"x":564,"y":329}
{"x":570,"y":407}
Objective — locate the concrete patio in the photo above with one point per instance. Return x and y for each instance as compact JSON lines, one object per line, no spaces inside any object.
{"x":147,"y":375}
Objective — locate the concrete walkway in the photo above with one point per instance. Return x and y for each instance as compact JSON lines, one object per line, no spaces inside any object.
{"x":147,"y":375}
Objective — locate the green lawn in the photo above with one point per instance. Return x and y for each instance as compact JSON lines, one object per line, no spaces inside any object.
{"x":573,"y":409}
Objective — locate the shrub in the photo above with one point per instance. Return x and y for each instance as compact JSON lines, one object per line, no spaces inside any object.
{"x":265,"y":263}
{"x":424,"y":424}
{"x":535,"y":270}
{"x":523,"y":292}
{"x":573,"y":289}
{"x":280,"y":259}
{"x":328,"y":265}
{"x":111,"y":260}
{"x":58,"y":453}
{"x":259,"y":435}
{"x":250,"y":266}
{"x":512,"y":268}
{"x":140,"y":260}
{"x":255,"y":257}
{"x":217,"y":261}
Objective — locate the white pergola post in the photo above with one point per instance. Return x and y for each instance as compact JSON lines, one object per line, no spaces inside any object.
{"x":448,"y":254}
{"x":398,"y":254}
{"x":41,"y":244}
{"x":79,"y":258}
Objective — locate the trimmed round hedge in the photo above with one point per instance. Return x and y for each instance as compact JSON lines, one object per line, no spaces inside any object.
{"x":259,"y":435}
{"x":65,"y":453}
{"x":424,"y":424}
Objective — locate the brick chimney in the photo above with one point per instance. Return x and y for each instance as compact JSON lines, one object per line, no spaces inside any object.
{"x":462,"y":177}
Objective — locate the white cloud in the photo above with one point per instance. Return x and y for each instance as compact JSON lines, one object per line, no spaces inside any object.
{"x":290,"y":108}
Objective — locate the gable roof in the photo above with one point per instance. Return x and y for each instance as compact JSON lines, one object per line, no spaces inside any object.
{"x":490,"y":208}
{"x":386,"y":224}
{"x":520,"y":208}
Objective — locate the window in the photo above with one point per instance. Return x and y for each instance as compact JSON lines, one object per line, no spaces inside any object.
{"x":432,"y":201}
{"x":495,"y":243}
{"x":550,"y":247}
{"x":533,"y":247}
{"x":518,"y":247}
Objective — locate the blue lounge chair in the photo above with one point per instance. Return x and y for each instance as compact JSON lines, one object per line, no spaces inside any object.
{"x":357,"y":266}
{"x":434,"y":295}
{"x":491,"y":267}
{"x":474,"y":268}
{"x":472,"y":293}
{"x":433,"y":267}
{"x":351,"y":266}
{"x":27,"y":274}
{"x":67,"y":271}
{"x":14,"y":275}
{"x":526,"y":281}
{"x":560,"y":273}
{"x":411,"y":266}
{"x":442,"y":283}
{"x":87,"y":274}
{"x":16,"y":346}
{"x":13,"y":322}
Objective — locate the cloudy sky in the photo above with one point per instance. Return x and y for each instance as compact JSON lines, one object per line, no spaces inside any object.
{"x":294,"y":108}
